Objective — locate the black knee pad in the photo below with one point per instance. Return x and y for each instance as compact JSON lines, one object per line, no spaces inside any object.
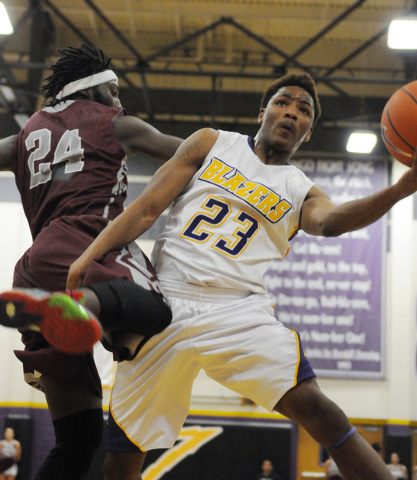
{"x":128,"y":306}
{"x":78,"y":437}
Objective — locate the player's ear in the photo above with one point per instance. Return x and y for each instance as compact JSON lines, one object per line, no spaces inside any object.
{"x":261,"y":115}
{"x":309,"y":133}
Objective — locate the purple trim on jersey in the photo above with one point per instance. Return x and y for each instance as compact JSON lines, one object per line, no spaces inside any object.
{"x":251,"y":142}
{"x":305,"y":370}
{"x":294,"y":234}
{"x":116,"y":439}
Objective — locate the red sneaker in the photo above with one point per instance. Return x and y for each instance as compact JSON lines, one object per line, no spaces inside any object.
{"x":65,"y":323}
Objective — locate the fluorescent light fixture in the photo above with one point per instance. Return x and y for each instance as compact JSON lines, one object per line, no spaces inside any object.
{"x":5,"y":25}
{"x":361,"y":142}
{"x":402,"y":34}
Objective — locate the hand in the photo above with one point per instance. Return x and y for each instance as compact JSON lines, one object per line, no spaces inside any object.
{"x":77,"y":273}
{"x":414,"y":162}
{"x":408,"y":182}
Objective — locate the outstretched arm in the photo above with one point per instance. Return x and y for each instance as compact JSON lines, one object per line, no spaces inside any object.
{"x":6,"y":147}
{"x":135,"y":135}
{"x":165,"y":186}
{"x":320,"y":216}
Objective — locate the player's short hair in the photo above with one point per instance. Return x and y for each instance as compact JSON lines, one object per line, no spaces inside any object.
{"x":74,"y":64}
{"x":303,"y":80}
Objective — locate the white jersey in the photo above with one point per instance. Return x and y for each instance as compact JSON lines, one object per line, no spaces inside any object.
{"x":9,"y":449}
{"x":232,"y":219}
{"x":396,"y":471}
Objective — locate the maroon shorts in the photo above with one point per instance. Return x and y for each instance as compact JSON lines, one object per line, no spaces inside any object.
{"x":45,"y":265}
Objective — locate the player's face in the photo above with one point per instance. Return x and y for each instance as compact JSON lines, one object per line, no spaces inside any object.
{"x":107,"y":94}
{"x":267,"y":467}
{"x":287,"y":120}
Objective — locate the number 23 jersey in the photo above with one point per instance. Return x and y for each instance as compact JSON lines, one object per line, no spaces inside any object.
{"x":232,"y":219}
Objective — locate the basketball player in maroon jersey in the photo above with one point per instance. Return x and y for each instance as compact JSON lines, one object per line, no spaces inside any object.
{"x":70,"y":169}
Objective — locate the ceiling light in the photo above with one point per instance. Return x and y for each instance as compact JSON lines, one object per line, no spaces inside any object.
{"x":402,"y":34}
{"x":361,"y":142}
{"x":5,"y":25}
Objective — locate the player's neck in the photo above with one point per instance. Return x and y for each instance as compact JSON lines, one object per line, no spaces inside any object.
{"x":270,"y":156}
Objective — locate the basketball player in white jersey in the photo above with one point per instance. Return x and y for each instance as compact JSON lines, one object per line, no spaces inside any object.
{"x":237,"y":203}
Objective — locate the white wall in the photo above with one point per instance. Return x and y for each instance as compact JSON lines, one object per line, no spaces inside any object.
{"x":393,"y":399}
{"x":14,"y":239}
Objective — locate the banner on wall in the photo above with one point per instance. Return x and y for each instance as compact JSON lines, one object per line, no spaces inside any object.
{"x":331,"y":289}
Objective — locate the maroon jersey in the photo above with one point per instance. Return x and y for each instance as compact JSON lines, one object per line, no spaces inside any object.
{"x":71,"y":173}
{"x":67,"y":161}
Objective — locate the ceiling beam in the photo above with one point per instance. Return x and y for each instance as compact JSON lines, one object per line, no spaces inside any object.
{"x":323,"y":32}
{"x":139,"y":59}
{"x":364,"y":46}
{"x":86,"y":40}
{"x":68,"y":23}
{"x":386,"y":79}
{"x":278,"y":51}
{"x":186,"y":39}
{"x":250,"y":34}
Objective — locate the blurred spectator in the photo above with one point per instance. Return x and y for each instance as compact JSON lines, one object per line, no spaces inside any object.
{"x":333,"y":473}
{"x":10,"y":448}
{"x":397,"y":470}
{"x":267,"y":471}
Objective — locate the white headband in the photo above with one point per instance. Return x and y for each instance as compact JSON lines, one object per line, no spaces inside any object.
{"x":87,"y":82}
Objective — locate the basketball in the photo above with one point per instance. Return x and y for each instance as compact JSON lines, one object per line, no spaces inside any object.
{"x":399,"y":123}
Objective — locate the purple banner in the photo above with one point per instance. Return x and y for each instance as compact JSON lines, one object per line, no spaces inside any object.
{"x":330,"y":289}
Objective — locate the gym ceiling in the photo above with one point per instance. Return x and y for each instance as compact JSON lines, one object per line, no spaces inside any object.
{"x":187,"y":64}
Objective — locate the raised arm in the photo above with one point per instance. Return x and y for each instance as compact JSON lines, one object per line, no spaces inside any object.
{"x":165,"y":186}
{"x":135,"y":135}
{"x":320,"y":216}
{"x":6,"y":147}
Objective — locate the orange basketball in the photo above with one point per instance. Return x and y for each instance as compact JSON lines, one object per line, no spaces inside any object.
{"x":399,"y":123}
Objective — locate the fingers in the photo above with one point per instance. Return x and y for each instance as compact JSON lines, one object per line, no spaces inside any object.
{"x":72,"y":283}
{"x":74,"y":279}
{"x":413,"y":163}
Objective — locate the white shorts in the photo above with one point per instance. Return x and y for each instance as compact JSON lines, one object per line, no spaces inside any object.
{"x":11,"y":470}
{"x":235,"y":338}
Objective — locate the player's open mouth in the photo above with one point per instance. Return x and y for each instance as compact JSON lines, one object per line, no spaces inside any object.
{"x":287,"y":126}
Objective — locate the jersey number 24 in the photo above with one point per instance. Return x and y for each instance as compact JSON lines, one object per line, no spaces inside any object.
{"x":67,"y":150}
